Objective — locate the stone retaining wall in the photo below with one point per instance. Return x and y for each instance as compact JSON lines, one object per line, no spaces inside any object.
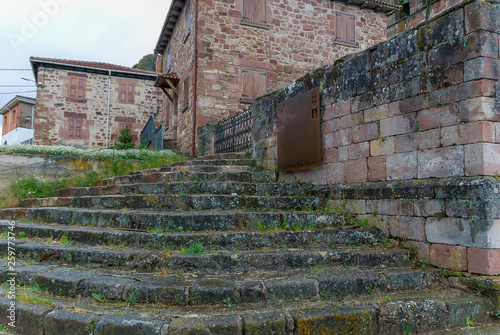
{"x":419,"y":112}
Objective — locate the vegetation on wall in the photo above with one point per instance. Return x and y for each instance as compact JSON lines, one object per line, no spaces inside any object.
{"x":125,"y":162}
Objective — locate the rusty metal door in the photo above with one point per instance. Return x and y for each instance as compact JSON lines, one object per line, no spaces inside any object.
{"x":299,"y":132}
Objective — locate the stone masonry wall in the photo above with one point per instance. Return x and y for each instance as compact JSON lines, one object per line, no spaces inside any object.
{"x":299,"y":36}
{"x":411,"y":136}
{"x":53,"y":110}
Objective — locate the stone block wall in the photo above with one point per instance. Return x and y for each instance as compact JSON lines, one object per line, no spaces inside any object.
{"x":410,"y":135}
{"x":53,"y":109}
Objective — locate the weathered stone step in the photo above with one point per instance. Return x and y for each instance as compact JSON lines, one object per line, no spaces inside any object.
{"x":239,"y":188}
{"x":409,"y":313}
{"x":221,"y":262}
{"x":476,"y":329}
{"x":176,"y":202}
{"x":243,"y":240}
{"x":208,"y":168}
{"x":315,"y":284}
{"x":190,"y":221}
{"x":228,"y":155}
{"x":153,"y":177}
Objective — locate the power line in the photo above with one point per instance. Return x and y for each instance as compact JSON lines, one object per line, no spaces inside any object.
{"x":17,"y":92}
{"x":15,"y":69}
{"x":17,"y":85}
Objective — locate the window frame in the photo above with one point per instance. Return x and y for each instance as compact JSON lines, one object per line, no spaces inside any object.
{"x":73,"y":130}
{"x":187,"y":21}
{"x":247,"y":18}
{"x":79,"y":87}
{"x":169,"y":58}
{"x":347,"y":42}
{"x":246,"y":98}
{"x":128,"y":89}
{"x":185,"y":92}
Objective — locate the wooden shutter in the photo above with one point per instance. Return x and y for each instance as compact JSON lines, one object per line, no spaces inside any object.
{"x":122,"y":92}
{"x":186,"y":92}
{"x":81,"y":88}
{"x":254,"y":11}
{"x":71,"y":127}
{"x":73,"y":87}
{"x":254,"y":84}
{"x":187,"y":22}
{"x":130,"y":93}
{"x":169,"y":58}
{"x":345,"y":28}
{"x":78,"y":128}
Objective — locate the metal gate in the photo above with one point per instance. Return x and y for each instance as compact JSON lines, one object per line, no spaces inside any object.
{"x":234,"y":133}
{"x":152,"y":136}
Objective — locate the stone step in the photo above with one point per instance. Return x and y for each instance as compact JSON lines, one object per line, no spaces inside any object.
{"x":402,"y":313}
{"x":193,"y":260}
{"x":175,"y":202}
{"x":215,"y":187}
{"x":153,"y":177}
{"x":228,"y":155}
{"x":230,"y":240}
{"x":264,"y":287}
{"x":476,"y":329}
{"x":170,"y":221}
{"x":208,"y":168}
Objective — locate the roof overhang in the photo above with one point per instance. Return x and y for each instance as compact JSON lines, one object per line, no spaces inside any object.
{"x":17,"y":99}
{"x":36,"y":63}
{"x":166,"y":81}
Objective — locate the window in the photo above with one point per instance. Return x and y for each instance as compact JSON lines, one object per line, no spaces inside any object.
{"x":187,"y":21}
{"x":122,"y":125}
{"x":169,"y":59}
{"x":75,"y":128}
{"x":253,"y":84}
{"x":254,"y":11}
{"x":345,"y":28}
{"x":186,"y":92}
{"x":5,"y":121}
{"x":13,"y":117}
{"x":126,"y":93}
{"x":77,"y":88}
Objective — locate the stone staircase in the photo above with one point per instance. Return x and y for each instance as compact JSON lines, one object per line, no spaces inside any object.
{"x":216,"y":245}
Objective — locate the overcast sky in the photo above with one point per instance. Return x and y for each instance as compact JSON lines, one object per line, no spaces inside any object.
{"x":112,"y":31}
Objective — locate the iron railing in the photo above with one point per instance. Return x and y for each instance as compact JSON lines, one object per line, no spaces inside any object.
{"x":152,"y":136}
{"x":234,"y":133}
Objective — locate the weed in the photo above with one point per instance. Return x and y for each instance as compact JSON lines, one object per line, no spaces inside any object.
{"x":410,"y":247}
{"x":469,"y":322}
{"x":227,"y":301}
{"x":297,"y":227}
{"x":49,"y":241}
{"x":267,"y":194}
{"x":386,"y":298}
{"x":157,"y":230}
{"x":98,"y":298}
{"x":261,"y":226}
{"x":132,"y":300}
{"x":22,"y":234}
{"x":4,"y":329}
{"x":194,"y":249}
{"x":362,"y":223}
{"x":65,"y":240}
{"x":30,"y":298}
{"x":79,"y":267}
{"x":425,"y":264}
{"x":406,"y":330}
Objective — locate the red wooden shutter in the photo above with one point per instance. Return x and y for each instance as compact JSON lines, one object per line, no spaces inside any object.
{"x":73,"y":87}
{"x":254,"y":11}
{"x":345,"y":28}
{"x":78,"y":128}
{"x":122,"y":96}
{"x":130,"y":93}
{"x":187,"y":24}
{"x":186,"y":92}
{"x":71,"y":127}
{"x":81,"y":88}
{"x":254,"y":84}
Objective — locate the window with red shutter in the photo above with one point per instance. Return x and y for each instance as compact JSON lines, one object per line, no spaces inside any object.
{"x":71,"y":128}
{"x":345,"y":28}
{"x":126,"y":93}
{"x":187,"y":21}
{"x":253,"y":84}
{"x":77,"y":88}
{"x":75,"y":128}
{"x":186,"y":92}
{"x":254,"y":11}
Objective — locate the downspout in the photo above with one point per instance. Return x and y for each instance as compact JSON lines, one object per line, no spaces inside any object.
{"x":109,"y":102}
{"x":195,"y":83}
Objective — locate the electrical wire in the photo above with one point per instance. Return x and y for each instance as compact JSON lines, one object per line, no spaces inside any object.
{"x":15,"y":69}
{"x":17,"y":92}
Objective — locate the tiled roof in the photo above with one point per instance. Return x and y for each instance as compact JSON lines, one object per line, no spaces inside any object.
{"x":95,"y":65}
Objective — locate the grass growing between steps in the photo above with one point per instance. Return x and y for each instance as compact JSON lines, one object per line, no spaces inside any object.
{"x":36,"y":187}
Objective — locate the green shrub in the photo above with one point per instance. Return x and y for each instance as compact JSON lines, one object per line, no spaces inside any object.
{"x":125,"y":139}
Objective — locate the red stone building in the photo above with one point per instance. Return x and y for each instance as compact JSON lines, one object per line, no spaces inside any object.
{"x":86,"y":104}
{"x":221,"y":55}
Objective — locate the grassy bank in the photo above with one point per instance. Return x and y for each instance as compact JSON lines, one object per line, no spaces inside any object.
{"x":124,"y":162}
